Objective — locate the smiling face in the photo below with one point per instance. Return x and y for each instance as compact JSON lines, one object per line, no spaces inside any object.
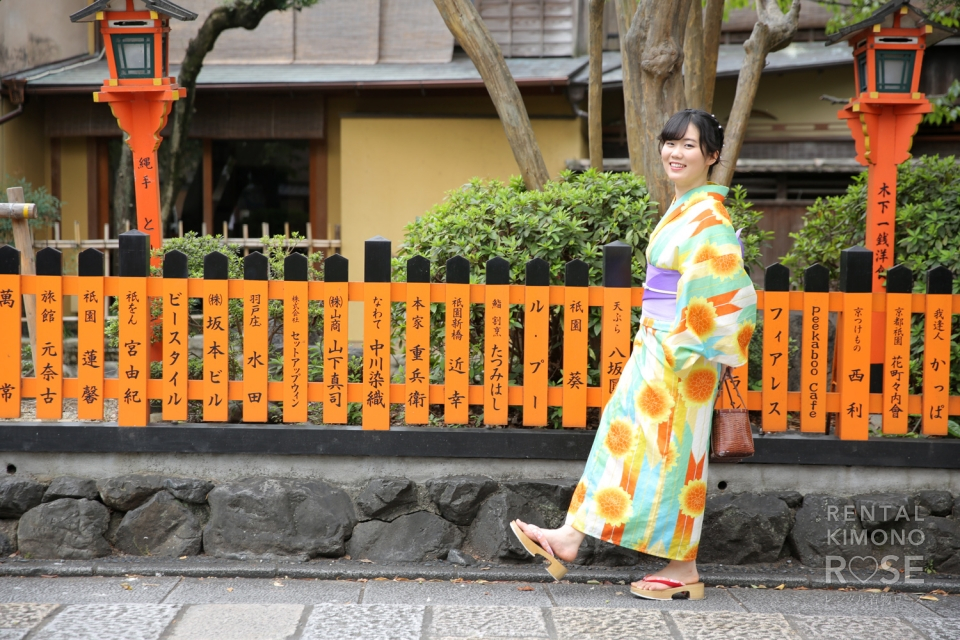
{"x":684,"y":162}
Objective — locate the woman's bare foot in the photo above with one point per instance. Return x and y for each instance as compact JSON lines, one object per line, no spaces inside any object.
{"x":562,"y":543}
{"x":685,"y":572}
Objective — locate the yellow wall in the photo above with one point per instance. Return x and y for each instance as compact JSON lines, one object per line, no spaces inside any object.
{"x":793,"y":97}
{"x":73,"y":186}
{"x":23,"y":147}
{"x":395,"y":169}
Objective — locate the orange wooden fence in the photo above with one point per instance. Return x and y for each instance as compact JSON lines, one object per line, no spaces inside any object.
{"x":840,"y":385}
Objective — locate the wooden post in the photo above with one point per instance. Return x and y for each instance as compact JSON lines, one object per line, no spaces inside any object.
{"x":11,"y":384}
{"x":615,"y":335}
{"x":896,"y":354}
{"x":90,"y":321}
{"x":216,"y":337}
{"x":854,"y":330}
{"x":776,"y":345}
{"x":176,"y":335}
{"x":496,"y":342}
{"x":376,"y":333}
{"x":417,"y":367}
{"x":335,"y":322}
{"x":536,"y":345}
{"x":937,"y":332}
{"x":456,"y":367}
{"x":813,"y":345}
{"x":295,"y":338}
{"x":23,"y":241}
{"x":256,"y":273}
{"x":575,"y":343}
{"x":134,"y":316}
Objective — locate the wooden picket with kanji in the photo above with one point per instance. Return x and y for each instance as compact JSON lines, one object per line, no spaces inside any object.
{"x":477,"y":365}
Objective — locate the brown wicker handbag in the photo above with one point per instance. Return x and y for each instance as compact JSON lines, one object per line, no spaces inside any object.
{"x":732,"y":439}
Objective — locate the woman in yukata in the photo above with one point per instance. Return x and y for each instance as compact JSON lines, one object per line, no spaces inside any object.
{"x":644,"y":486}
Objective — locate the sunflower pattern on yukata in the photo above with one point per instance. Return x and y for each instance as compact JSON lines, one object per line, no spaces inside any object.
{"x":644,"y":485}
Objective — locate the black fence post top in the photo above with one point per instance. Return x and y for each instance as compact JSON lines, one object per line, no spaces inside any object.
{"x":498,"y":271}
{"x":458,"y":270}
{"x":576,"y":274}
{"x":376,"y":259}
{"x":175,"y":264}
{"x":538,"y":273}
{"x":49,"y":262}
{"x":776,"y":277}
{"x":856,"y":270}
{"x":216,"y":266}
{"x":256,"y":266}
{"x":295,"y":267}
{"x":336,"y":268}
{"x":939,"y":280}
{"x":9,"y":260}
{"x":616,"y":265}
{"x":418,"y":269}
{"x":90,"y":263}
{"x":816,"y":279}
{"x":899,"y":279}
{"x":134,"y":247}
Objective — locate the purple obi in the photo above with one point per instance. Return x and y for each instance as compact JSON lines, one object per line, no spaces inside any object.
{"x":660,"y":291}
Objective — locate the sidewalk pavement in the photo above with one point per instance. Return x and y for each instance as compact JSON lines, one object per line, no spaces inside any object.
{"x":173,"y":607}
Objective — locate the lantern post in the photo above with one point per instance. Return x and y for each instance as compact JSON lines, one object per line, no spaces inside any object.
{"x":883,"y":117}
{"x":139,"y":90}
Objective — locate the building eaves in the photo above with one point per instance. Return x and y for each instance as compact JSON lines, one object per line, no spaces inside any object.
{"x":460,"y":72}
{"x":796,"y":56}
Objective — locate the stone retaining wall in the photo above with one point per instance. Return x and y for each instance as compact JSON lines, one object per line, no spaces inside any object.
{"x":462,"y":519}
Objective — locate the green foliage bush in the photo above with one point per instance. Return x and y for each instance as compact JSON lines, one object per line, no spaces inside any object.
{"x":927,"y":235}
{"x":48,"y":207}
{"x":571,"y":218}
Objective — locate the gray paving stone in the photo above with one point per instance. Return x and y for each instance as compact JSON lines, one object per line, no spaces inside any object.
{"x":455,"y":593}
{"x":574,"y":623}
{"x":853,"y":628}
{"x":144,"y":589}
{"x":732,"y":626}
{"x":364,"y":622}
{"x":23,"y":615}
{"x":585,"y":595}
{"x":109,"y":622}
{"x":13,"y":634}
{"x":487,"y":622}
{"x":830,"y":603}
{"x":937,"y":628}
{"x":279,"y":590}
{"x":237,"y":622}
{"x":946,"y":606}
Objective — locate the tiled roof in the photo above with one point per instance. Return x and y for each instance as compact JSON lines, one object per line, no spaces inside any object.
{"x":798,"y":55}
{"x":460,"y":71}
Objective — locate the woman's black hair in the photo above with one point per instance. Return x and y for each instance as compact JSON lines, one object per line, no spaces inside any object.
{"x":711,"y":133}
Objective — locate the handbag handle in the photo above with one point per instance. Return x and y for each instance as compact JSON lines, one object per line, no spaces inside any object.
{"x":727,"y":383}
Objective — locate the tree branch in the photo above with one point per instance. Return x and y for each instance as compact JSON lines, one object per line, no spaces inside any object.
{"x":595,"y":98}
{"x":464,"y":22}
{"x":712,"y":24}
{"x":246,"y":14}
{"x":774,"y":30}
{"x":631,"y":87}
{"x":693,"y":57}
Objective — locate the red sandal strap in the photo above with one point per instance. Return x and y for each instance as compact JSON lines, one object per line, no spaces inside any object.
{"x":667,"y":581}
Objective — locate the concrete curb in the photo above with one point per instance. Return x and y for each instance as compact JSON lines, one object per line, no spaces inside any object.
{"x":712,"y":575}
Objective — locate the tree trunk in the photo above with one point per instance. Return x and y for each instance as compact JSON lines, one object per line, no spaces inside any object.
{"x":595,"y":99}
{"x":774,"y":30}
{"x":464,"y":22}
{"x":123,"y":207}
{"x":693,"y":58}
{"x":655,"y":57}
{"x":246,"y":14}
{"x":712,"y":23}
{"x":631,"y":90}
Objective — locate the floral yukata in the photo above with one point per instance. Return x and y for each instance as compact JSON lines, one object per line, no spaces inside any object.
{"x":644,"y":486}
